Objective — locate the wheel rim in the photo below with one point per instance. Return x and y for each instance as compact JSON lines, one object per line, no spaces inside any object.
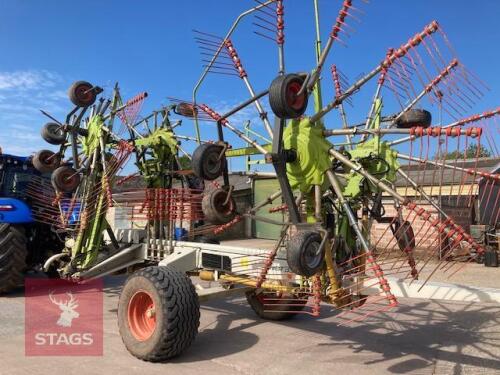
{"x":212,"y":166}
{"x":67,"y":180}
{"x":84,"y":93}
{"x":312,"y":256}
{"x":55,"y":130}
{"x":220,"y":207}
{"x":142,"y":315}
{"x":48,"y":158}
{"x":294,"y":101}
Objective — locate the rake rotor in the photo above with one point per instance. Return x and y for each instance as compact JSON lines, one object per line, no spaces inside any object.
{"x":373,"y":206}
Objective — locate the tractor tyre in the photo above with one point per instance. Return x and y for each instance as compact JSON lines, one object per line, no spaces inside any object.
{"x":13,"y":253}
{"x":414,"y":117}
{"x":214,"y":208}
{"x":65,"y":179}
{"x":207,"y":163}
{"x":158,"y":313}
{"x":45,"y":161}
{"x":283,"y":97}
{"x":53,"y":133}
{"x":303,"y":253}
{"x":277,"y":307}
{"x":82,"y":94}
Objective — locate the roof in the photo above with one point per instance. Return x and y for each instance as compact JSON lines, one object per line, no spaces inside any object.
{"x":425,"y":175}
{"x":428,"y":174}
{"x":19,"y":159}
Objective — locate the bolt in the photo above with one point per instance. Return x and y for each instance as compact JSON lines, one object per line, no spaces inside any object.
{"x":150,"y":313}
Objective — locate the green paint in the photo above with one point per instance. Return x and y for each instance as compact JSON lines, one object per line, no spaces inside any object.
{"x":312,"y":154}
{"x":366,"y":154}
{"x":162,"y":146}
{"x":91,"y":142}
{"x":245,"y":151}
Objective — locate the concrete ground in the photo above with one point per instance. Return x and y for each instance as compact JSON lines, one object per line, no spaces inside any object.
{"x":419,"y":337}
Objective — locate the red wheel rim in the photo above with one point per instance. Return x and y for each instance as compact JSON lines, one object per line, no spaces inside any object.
{"x":84,"y":93}
{"x":142,"y":315}
{"x":294,"y":101}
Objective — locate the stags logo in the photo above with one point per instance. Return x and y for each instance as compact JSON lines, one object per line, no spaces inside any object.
{"x":68,"y":312}
{"x":63,"y":318}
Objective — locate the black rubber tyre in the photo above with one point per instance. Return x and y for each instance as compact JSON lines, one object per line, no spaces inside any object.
{"x":13,"y":253}
{"x":176,"y":313}
{"x":404,"y":235}
{"x":82,"y":94}
{"x":214,"y":209}
{"x":65,"y":179}
{"x":280,"y":310}
{"x":415,"y":117}
{"x":53,"y":133}
{"x":283,"y":97}
{"x":207,"y":163}
{"x":302,"y":253}
{"x":45,"y":161}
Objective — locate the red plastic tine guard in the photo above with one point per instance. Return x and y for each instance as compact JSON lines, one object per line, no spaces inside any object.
{"x":270,"y":21}
{"x":341,"y":26}
{"x":128,"y":115}
{"x":336,"y":81}
{"x":235,"y":58}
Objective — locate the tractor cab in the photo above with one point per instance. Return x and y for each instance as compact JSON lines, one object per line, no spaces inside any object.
{"x":16,"y":173}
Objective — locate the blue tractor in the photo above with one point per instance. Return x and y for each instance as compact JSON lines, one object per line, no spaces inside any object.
{"x":23,"y":242}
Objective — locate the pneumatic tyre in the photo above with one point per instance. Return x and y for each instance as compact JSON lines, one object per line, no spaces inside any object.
{"x":53,"y":133}
{"x":45,"y":161}
{"x":283,"y":98}
{"x":158,"y":313}
{"x":276,"y":307}
{"x":82,"y":94}
{"x":403,"y":232}
{"x":65,"y":179}
{"x":215,"y":208}
{"x":415,"y":117}
{"x":207,"y":162}
{"x":13,"y":252}
{"x":304,"y":254}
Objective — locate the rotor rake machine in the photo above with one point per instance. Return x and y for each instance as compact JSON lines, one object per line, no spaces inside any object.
{"x":79,"y":196}
{"x":363,"y":202}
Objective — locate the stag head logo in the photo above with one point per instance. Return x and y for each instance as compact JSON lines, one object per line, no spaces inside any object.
{"x":68,"y":312}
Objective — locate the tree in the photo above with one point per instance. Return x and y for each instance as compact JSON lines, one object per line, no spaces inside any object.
{"x":471,"y":153}
{"x":185,"y":162}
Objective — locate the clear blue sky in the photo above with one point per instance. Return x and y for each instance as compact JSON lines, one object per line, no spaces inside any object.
{"x":148,"y":46}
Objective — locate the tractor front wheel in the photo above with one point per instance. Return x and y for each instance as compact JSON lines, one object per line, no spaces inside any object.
{"x":13,"y":252}
{"x":158,"y":313}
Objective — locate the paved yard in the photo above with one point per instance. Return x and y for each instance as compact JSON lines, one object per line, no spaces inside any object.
{"x":420,"y":337}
